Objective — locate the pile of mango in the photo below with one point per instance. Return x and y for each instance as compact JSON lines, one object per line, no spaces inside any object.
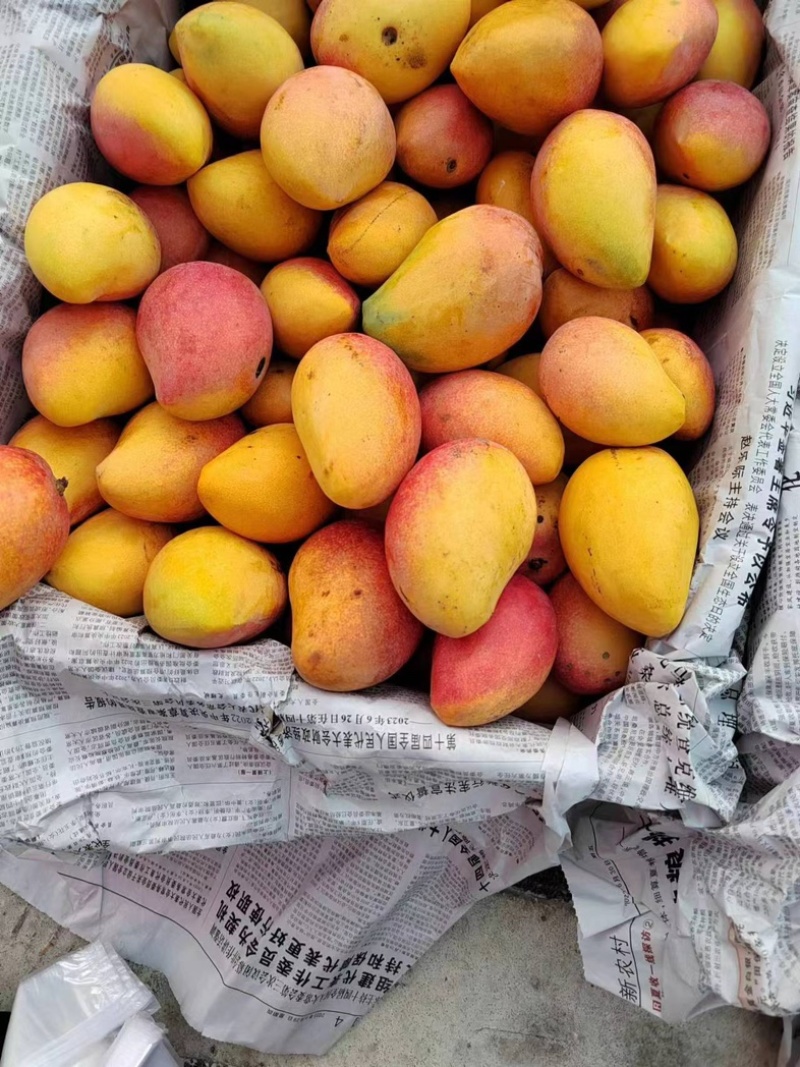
{"x":381,"y":347}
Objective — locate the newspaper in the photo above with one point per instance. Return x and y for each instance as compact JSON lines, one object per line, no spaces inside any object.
{"x":284,"y":855}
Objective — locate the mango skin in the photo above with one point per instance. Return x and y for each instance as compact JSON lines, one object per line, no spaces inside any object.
{"x":272,"y":401}
{"x":234,"y":57}
{"x":219,"y":253}
{"x":357,"y":414}
{"x":400,"y":46}
{"x":603,"y":381}
{"x":208,"y":588}
{"x":459,"y":526}
{"x":72,"y":454}
{"x":153,"y":470}
{"x":629,"y":525}
{"x":369,"y":239}
{"x":695,"y":250}
{"x":327,"y":137}
{"x":565,"y":297}
{"x":442,"y":139}
{"x":687,"y":366}
{"x":106,"y":560}
{"x":350,"y":629}
{"x":149,"y":126}
{"x":237,"y":201}
{"x":85,"y":242}
{"x":480,"y":403}
{"x":293,"y":15}
{"x":480,"y":8}
{"x":593,"y":192}
{"x":506,"y":182}
{"x":35,"y":522}
{"x":736,"y":53}
{"x":262,"y":488}
{"x":554,"y":38}
{"x":553,"y":701}
{"x":80,"y":364}
{"x":469,"y":290}
{"x":181,"y":235}
{"x":545,"y":560}
{"x":308,"y":301}
{"x":482,"y":677}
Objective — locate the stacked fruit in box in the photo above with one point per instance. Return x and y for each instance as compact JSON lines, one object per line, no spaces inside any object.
{"x":308,"y":365}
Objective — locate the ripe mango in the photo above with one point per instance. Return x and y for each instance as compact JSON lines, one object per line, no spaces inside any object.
{"x":480,"y":8}
{"x":486,"y":675}
{"x":565,"y":297}
{"x":235,"y":57}
{"x":506,"y":182}
{"x":736,"y":53}
{"x":442,"y":139}
{"x":72,"y":454}
{"x":459,"y":526}
{"x":208,"y":588}
{"x":629,"y":526}
{"x":556,"y":39}
{"x":553,"y":701}
{"x":687,"y":366}
{"x":272,"y":401}
{"x":400,"y":46}
{"x":593,"y":192}
{"x":106,"y":560}
{"x":469,"y":290}
{"x":350,"y":630}
{"x":181,"y":235}
{"x":545,"y":560}
{"x":293,"y":15}
{"x":357,"y":413}
{"x":308,"y":301}
{"x":603,"y":381}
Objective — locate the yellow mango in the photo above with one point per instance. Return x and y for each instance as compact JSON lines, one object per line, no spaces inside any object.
{"x":686,"y":364}
{"x":106,"y":560}
{"x":458,"y":528}
{"x":565,"y":297}
{"x":629,"y":526}
{"x":272,"y":401}
{"x":209,"y":588}
{"x":469,"y":290}
{"x":482,"y":7}
{"x":736,"y":53}
{"x":553,"y":701}
{"x":293,"y":15}
{"x":235,"y":57}
{"x":506,"y":182}
{"x":308,"y":301}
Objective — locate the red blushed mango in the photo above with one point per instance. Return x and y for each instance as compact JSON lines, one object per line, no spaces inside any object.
{"x":736,"y":53}
{"x":149,"y":126}
{"x":553,"y":701}
{"x":272,"y":402}
{"x":490,"y":673}
{"x":442,"y":139}
{"x":480,"y":403}
{"x":34,"y":522}
{"x":686,"y":364}
{"x":565,"y":297}
{"x":180,"y":232}
{"x":350,"y":629}
{"x":308,"y":301}
{"x":206,"y":336}
{"x":712,"y":135}
{"x":82,"y":363}
{"x":219,"y":253}
{"x":593,"y":648}
{"x":545,"y":560}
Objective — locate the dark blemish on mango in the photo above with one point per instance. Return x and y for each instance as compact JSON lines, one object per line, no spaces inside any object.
{"x":540,"y":518}
{"x":416,"y":59}
{"x":358,"y":592}
{"x":260,"y":368}
{"x":450,"y":166}
{"x":606,"y":655}
{"x":389,"y":35}
{"x":344,"y":37}
{"x":325,"y":593}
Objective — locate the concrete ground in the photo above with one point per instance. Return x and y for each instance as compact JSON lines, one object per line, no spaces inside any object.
{"x":503,"y":989}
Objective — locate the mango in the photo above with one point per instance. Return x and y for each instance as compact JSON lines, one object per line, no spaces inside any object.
{"x":442,"y":139}
{"x":72,"y":454}
{"x":153,"y":471}
{"x":350,"y":629}
{"x":308,"y":301}
{"x":178,"y":73}
{"x":556,"y":39}
{"x":469,"y":290}
{"x":34,"y":522}
{"x":695,"y":250}
{"x":237,"y":201}
{"x":262,"y":488}
{"x":603,"y":381}
{"x":181,"y":235}
{"x":234,"y":58}
{"x":545,"y":560}
{"x":357,"y":414}
{"x":80,"y":364}
{"x":327,"y":137}
{"x":687,"y":366}
{"x":293,"y":15}
{"x":644,"y":117}
{"x":479,"y":8}
{"x":593,"y":192}
{"x":206,"y":336}
{"x":218,"y":253}
{"x":629,"y":524}
{"x":400,"y":46}
{"x":106,"y":560}
{"x":460,"y":524}
{"x":149,"y":126}
{"x":553,"y":701}
{"x":479,"y":403}
{"x":208,"y":588}
{"x":712,"y":135}
{"x":368,"y":240}
{"x":86,"y":242}
{"x":565,"y":297}
{"x":593,"y":648}
{"x":736,"y":53}
{"x":506,"y":182}
{"x":653,"y":47}
{"x":488,"y":674}
{"x":272,"y":401}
